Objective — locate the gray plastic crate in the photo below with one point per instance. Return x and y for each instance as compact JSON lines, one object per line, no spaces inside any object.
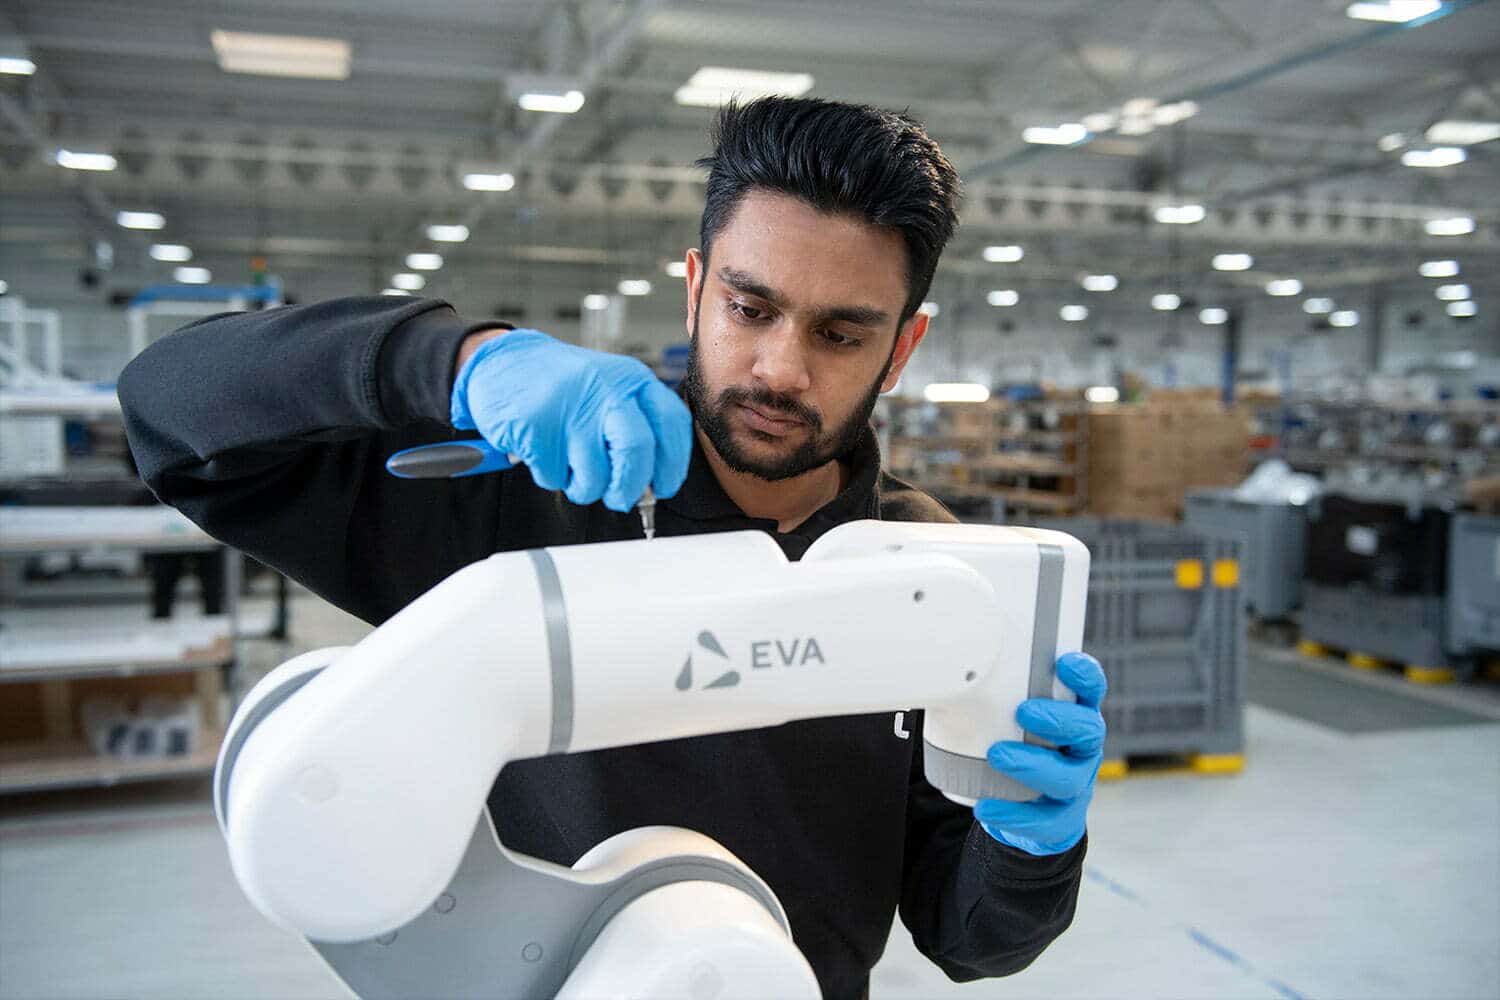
{"x":1275,"y":537}
{"x":1401,"y":628}
{"x":1473,"y":584}
{"x":1174,"y":653}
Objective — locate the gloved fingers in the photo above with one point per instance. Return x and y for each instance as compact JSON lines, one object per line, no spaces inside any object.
{"x":1048,"y":772}
{"x":1083,"y":675}
{"x":545,"y":456}
{"x":1078,"y":728}
{"x":1032,"y":846}
{"x":1040,"y":819}
{"x":632,"y":454}
{"x":672,"y":425}
{"x":588,"y":468}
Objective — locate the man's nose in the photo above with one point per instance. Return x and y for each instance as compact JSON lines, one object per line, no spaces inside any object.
{"x":781,"y":360}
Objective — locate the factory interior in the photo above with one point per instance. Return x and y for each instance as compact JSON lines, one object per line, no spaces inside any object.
{"x":1222,"y":304}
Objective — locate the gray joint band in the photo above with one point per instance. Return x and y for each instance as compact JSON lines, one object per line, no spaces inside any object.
{"x":970,"y":777}
{"x":1049,"y":583}
{"x":559,"y":647}
{"x":254,"y":718}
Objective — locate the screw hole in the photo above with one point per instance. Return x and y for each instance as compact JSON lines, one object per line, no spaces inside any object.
{"x":970,"y":675}
{"x":918,"y":596}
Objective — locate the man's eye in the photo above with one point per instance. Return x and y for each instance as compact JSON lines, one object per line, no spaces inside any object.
{"x":839,"y":340}
{"x":745,"y":312}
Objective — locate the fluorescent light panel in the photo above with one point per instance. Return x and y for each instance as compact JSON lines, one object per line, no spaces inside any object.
{"x":596,"y":302}
{"x":1165,"y":301}
{"x":1233,"y":262}
{"x":956,"y":392}
{"x":1462,"y":133}
{"x":447,"y":234}
{"x":1100,"y":282}
{"x":1344,"y":318}
{"x":1439,"y":156}
{"x":1180,"y":215}
{"x":1003,"y":297}
{"x":281,"y":55}
{"x":424,"y":261}
{"x":1318,"y":306}
{"x":192,"y":275}
{"x":635,"y":286}
{"x":1282,"y":287}
{"x":1003,"y":254}
{"x":1213,"y":316}
{"x":394,"y":291}
{"x":1439,"y":269}
{"x":565,"y":103}
{"x":16,"y":66}
{"x":489,"y":182}
{"x":141,"y":220}
{"x":1392,"y":11}
{"x":1074,"y":313}
{"x":173,"y":253}
{"x":1102,"y":394}
{"x":408,"y":282}
{"x":676,"y":269}
{"x":1065,"y":134}
{"x":1456,"y":225}
{"x":1462,"y":310}
{"x":712,"y":86}
{"x":73,"y":160}
{"x":1454,"y":293}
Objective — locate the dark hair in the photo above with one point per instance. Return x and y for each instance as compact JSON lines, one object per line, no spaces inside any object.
{"x":842,"y":159}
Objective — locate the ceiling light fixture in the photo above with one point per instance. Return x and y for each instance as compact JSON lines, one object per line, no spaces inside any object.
{"x":1003,"y":297}
{"x":394,"y":291}
{"x":1102,"y":394}
{"x":929,"y":309}
{"x":1233,"y":262}
{"x":712,"y":86}
{"x":281,"y":55}
{"x":424,"y":261}
{"x":1392,"y":11}
{"x":1462,"y":310}
{"x":172,"y":253}
{"x":1283,"y":287}
{"x":1180,"y":215}
{"x":1100,"y":282}
{"x":1003,"y":254}
{"x":1318,"y":307}
{"x":676,"y":269}
{"x":1456,"y":225}
{"x":634,"y":286}
{"x":1213,"y":316}
{"x":192,"y":275}
{"x":1438,"y":269}
{"x":16,"y":66}
{"x":1438,"y":156}
{"x":595,"y":302}
{"x":408,"y":282}
{"x":1454,"y":293}
{"x":1391,"y":141}
{"x":489,"y":182}
{"x":1165,"y":301}
{"x":1461,"y":133}
{"x":141,"y":220}
{"x":1344,"y":318}
{"x":448,"y":234}
{"x":565,"y":103}
{"x":73,"y":160}
{"x":1074,"y":313}
{"x":1065,"y":134}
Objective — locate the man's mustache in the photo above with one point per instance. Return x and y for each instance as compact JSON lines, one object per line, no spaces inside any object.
{"x":772,"y":404}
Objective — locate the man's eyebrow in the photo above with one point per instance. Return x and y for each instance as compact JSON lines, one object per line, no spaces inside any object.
{"x":741,"y":281}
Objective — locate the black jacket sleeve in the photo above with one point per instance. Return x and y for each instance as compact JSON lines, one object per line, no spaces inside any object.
{"x":974,"y":906}
{"x":270,"y":430}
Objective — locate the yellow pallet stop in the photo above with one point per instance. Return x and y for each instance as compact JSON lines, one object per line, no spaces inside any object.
{"x":1309,"y":648}
{"x":1202,"y":763}
{"x":1431,"y":675}
{"x":1189,"y":573}
{"x":1226,"y":573}
{"x":1364,"y":661}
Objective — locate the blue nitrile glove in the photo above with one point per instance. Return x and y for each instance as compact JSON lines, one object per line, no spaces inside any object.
{"x":590,"y":424}
{"x":1053,"y":823}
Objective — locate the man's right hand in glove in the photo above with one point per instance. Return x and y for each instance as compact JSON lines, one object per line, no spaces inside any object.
{"x":593,"y":425}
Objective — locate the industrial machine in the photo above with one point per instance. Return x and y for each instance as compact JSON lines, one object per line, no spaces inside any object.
{"x":351,"y":788}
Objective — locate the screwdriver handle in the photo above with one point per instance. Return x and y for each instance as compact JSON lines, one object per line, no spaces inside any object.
{"x":448,"y":460}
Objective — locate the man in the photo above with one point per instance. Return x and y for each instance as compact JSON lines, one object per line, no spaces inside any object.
{"x":821,"y":230}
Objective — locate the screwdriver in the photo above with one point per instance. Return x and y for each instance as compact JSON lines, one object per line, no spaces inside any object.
{"x":452,"y":459}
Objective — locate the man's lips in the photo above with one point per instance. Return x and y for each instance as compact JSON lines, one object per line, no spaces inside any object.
{"x":768,"y":422}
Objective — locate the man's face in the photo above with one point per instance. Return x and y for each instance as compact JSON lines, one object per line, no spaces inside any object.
{"x":794,"y":333}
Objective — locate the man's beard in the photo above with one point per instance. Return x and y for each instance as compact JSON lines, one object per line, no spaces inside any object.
{"x":817,"y":450}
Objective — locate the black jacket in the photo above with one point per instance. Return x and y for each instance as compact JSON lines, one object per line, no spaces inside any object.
{"x":270,"y":429}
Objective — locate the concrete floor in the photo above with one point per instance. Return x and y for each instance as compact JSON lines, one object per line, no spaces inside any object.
{"x":1337,"y":866}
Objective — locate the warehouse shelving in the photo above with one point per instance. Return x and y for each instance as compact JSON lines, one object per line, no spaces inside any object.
{"x":53,"y":655}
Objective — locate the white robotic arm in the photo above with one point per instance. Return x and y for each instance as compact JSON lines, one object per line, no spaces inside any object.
{"x":351,"y":779}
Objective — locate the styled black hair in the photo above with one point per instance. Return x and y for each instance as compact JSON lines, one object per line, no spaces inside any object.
{"x":844,"y":159}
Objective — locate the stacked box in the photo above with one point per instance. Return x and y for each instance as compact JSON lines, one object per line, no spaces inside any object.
{"x":1473,"y":619}
{"x":1144,"y":458}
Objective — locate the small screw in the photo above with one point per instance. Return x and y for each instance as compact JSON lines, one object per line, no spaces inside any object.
{"x":444,"y":904}
{"x":532,"y":952}
{"x":918,"y":596}
{"x":386,"y":939}
{"x":970,"y":675}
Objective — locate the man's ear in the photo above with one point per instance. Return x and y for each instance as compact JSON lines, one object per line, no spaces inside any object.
{"x":907,"y":339}
{"x":694,"y":287}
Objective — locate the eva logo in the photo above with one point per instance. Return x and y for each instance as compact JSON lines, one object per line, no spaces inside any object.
{"x":764,"y":653}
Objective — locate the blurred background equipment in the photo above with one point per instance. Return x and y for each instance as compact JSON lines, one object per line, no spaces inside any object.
{"x":1223,"y":300}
